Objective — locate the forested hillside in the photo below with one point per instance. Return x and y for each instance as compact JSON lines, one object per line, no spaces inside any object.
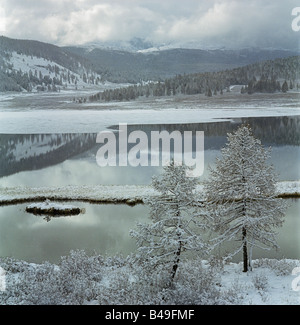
{"x":32,"y":65}
{"x":27,"y":65}
{"x":134,"y":67}
{"x":266,"y":76}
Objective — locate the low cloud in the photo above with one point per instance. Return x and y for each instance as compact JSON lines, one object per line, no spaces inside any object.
{"x":229,"y":23}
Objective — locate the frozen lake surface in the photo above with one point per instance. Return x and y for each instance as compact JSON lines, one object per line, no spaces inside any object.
{"x":56,"y":113}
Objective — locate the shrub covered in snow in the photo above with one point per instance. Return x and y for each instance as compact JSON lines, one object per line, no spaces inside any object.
{"x":280,"y":267}
{"x":73,"y":281}
{"x":82,"y":279}
{"x":260,"y":281}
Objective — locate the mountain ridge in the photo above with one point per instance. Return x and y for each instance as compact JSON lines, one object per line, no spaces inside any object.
{"x":71,"y":66}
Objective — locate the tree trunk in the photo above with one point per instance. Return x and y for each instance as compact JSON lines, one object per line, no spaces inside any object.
{"x":178,"y":252}
{"x":176,"y":262}
{"x":245,"y":254}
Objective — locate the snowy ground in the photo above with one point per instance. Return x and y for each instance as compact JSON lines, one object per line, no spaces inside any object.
{"x":106,"y":193}
{"x":93,"y":280}
{"x":52,"y":208}
{"x":270,"y":283}
{"x":48,"y":113}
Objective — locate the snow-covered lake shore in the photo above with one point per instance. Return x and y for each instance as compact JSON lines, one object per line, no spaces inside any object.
{"x":52,"y":113}
{"x":95,"y":280}
{"x":130,"y":194}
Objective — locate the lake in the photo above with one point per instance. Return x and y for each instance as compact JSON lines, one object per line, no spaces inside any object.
{"x":29,"y":157}
{"x":103,"y":229}
{"x":70,"y":158}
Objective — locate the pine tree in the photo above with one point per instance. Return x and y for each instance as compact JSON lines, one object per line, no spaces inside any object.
{"x":209,"y":93}
{"x":241,"y":198}
{"x":175,"y":228}
{"x":285,"y":87}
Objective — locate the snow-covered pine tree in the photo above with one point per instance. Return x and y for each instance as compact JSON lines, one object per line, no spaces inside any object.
{"x":175,"y":227}
{"x":241,"y":196}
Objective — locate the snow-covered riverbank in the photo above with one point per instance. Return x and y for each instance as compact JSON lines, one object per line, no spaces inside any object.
{"x":130,"y":194}
{"x":93,"y":280}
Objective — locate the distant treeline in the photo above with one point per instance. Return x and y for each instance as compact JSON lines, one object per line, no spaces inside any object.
{"x":257,"y":77}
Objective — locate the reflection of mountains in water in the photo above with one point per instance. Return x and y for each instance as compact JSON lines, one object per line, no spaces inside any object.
{"x":35,"y":151}
{"x":272,"y":131}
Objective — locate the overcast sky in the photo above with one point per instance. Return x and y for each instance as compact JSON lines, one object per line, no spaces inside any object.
{"x":229,"y":23}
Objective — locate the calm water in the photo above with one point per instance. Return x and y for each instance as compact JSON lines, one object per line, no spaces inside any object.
{"x":104,"y":229}
{"x":63,"y":159}
{"x":70,"y":159}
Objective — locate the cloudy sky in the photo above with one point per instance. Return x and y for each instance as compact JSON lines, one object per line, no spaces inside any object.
{"x":229,"y":23}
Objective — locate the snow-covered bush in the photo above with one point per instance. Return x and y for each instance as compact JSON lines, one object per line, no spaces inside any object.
{"x":194,"y":284}
{"x":234,"y":295}
{"x":280,"y":267}
{"x":74,"y":281}
{"x":260,"y":281}
{"x":13,"y":265}
{"x":81,"y":279}
{"x":40,"y":286}
{"x":79,"y":275}
{"x":133,"y":284}
{"x":216,"y":263}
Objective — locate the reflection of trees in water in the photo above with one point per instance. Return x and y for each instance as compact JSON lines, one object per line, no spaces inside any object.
{"x":276,"y":131}
{"x":35,"y":151}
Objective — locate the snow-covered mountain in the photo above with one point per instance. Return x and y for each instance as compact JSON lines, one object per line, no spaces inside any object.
{"x":139,"y":45}
{"x":36,"y":66}
{"x":134,"y":45}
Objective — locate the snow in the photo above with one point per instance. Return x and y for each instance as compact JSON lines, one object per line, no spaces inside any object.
{"x":26,"y":63}
{"x":51,"y":205}
{"x":108,"y":193}
{"x":272,"y":282}
{"x":278,"y":287}
{"x":48,"y":113}
{"x":100,"y":193}
{"x":94,"y":121}
{"x":288,"y":188}
{"x":94,"y":280}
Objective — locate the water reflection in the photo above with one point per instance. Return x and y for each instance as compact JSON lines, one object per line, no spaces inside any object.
{"x":84,"y":170}
{"x":105,"y":230}
{"x":36,"y":151}
{"x":62,"y":159}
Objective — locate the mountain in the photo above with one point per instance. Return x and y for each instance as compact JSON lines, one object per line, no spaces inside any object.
{"x":134,"y":45}
{"x":125,"y":66}
{"x":37,"y":66}
{"x":27,"y":65}
{"x":269,"y":76}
